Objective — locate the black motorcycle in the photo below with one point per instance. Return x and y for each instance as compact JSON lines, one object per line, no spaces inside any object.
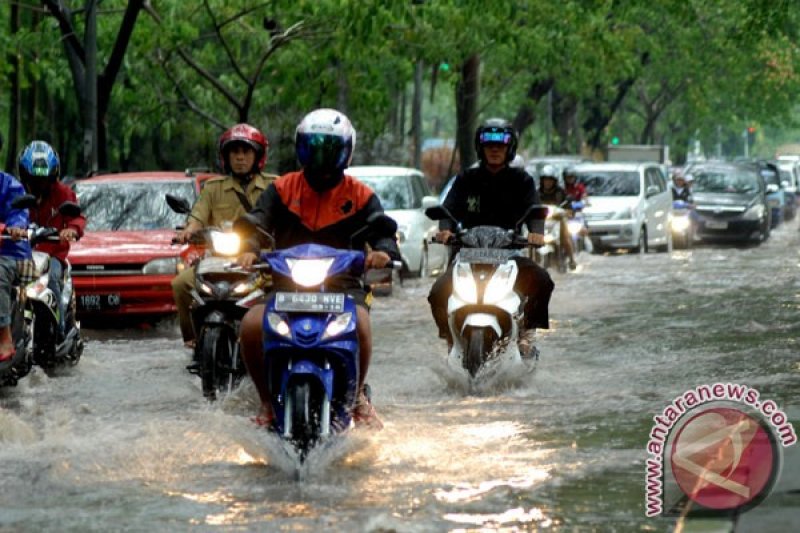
{"x":220,"y":299}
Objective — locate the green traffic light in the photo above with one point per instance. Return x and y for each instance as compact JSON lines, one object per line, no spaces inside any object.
{"x":614,"y":140}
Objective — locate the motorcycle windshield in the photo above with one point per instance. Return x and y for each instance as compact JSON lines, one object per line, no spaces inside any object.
{"x":344,"y":261}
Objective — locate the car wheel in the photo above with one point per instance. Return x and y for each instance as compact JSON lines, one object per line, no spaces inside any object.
{"x":424,"y":271}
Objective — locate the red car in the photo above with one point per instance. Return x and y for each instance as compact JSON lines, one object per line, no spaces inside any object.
{"x":124,"y":264}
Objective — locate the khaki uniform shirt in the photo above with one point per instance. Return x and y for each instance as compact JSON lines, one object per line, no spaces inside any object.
{"x":219,"y":202}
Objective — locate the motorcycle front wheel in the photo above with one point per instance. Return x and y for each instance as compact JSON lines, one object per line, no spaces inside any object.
{"x":479,"y":343}
{"x":215,"y":350}
{"x":304,"y":410}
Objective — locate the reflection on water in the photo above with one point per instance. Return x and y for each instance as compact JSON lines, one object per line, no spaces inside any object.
{"x":124,"y":439}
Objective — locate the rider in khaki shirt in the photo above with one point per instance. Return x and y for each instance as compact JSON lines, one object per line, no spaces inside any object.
{"x":243,"y":154}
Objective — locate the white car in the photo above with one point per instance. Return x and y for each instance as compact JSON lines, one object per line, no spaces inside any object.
{"x":629,"y":205}
{"x":401,"y":190}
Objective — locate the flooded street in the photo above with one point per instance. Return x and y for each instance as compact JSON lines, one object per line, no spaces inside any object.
{"x":124,"y":440}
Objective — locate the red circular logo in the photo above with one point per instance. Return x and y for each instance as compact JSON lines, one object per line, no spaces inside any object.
{"x":723,"y":459}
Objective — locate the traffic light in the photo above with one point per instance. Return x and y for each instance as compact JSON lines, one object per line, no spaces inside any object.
{"x":615,"y":140}
{"x":751,"y":135}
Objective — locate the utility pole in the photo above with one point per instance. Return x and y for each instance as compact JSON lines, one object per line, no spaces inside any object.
{"x":746,"y":140}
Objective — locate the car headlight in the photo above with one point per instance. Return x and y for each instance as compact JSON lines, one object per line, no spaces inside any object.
{"x":501,"y":284}
{"x":309,"y":272}
{"x":225,"y":242}
{"x":464,"y":283}
{"x":754,"y":213}
{"x":279,"y":325}
{"x":626,"y":213}
{"x":167,"y":265}
{"x":337,"y":325}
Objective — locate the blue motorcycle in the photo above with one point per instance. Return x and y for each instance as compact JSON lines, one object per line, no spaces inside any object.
{"x":310,"y":342}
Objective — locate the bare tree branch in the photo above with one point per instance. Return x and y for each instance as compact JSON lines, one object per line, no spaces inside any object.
{"x":228,"y":51}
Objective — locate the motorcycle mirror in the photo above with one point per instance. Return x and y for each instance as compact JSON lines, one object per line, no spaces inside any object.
{"x":439,"y":212}
{"x":248,"y":224}
{"x":69,"y":209}
{"x":382,"y":224}
{"x":535,"y":211}
{"x":26,"y":201}
{"x":178,"y":204}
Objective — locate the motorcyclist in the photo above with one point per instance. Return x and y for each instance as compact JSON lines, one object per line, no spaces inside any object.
{"x":576,"y":191}
{"x":319,"y":204}
{"x":551,"y":193}
{"x":242,"y":153}
{"x":680,"y":187}
{"x":15,"y":257}
{"x":39,"y":170}
{"x":496,"y":194}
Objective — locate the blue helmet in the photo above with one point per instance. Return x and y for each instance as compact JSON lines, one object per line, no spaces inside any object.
{"x":36,"y":161}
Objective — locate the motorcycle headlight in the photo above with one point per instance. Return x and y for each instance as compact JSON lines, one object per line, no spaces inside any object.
{"x":225,"y":243}
{"x":337,"y":325}
{"x":167,"y":265}
{"x":501,"y":284}
{"x":680,"y":223}
{"x":206,"y":288}
{"x":244,"y":287}
{"x":464,"y":283}
{"x":309,"y":272}
{"x":549,"y":239}
{"x":754,"y":213}
{"x":575,"y":227}
{"x":38,"y":287}
{"x":279,"y":325}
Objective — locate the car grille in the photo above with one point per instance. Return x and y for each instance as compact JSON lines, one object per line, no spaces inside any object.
{"x":720,"y":212}
{"x":594,"y":217}
{"x":123,"y":269}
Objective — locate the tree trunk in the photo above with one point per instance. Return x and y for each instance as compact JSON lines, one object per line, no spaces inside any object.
{"x":526,"y":113}
{"x":416,"y":115}
{"x":13,"y":95}
{"x":564,"y":109}
{"x":467,"y":97}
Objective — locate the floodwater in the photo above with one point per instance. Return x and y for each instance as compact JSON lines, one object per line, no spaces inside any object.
{"x":124,"y":440}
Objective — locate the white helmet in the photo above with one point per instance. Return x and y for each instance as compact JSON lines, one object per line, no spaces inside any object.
{"x":324,"y":141}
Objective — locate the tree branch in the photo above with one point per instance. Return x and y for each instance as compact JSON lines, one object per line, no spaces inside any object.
{"x":228,"y":51}
{"x":188,"y":102}
{"x":109,"y":75}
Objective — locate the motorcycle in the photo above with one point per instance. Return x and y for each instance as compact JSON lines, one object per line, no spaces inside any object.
{"x":14,"y":369}
{"x":220,"y":299}
{"x":681,"y":226}
{"x":485,"y":312}
{"x":578,"y":229}
{"x":50,"y":347}
{"x":552,"y":254}
{"x":310,"y":339}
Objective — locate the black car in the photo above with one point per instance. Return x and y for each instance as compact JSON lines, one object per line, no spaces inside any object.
{"x":730,"y":202}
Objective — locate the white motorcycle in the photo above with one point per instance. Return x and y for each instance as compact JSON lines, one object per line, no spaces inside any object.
{"x":484,"y":311}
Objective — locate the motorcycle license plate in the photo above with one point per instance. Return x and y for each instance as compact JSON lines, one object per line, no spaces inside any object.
{"x":713,"y":224}
{"x":486,"y":256}
{"x":98,"y":302}
{"x":310,"y":302}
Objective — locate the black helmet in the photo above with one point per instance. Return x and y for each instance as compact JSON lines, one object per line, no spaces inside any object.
{"x":496,"y":131}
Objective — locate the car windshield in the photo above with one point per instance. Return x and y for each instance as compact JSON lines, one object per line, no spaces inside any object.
{"x":610,"y":183}
{"x":393,"y":191}
{"x":724,"y":181}
{"x":131,"y":206}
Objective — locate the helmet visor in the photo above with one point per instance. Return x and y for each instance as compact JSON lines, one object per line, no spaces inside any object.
{"x":319,"y":151}
{"x":40,"y":168}
{"x":494,"y":137}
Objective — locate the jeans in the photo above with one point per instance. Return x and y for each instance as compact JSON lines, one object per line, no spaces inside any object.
{"x":54,"y":281}
{"x":9,"y":277}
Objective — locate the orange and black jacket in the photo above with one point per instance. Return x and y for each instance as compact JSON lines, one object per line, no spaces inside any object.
{"x":294,"y":213}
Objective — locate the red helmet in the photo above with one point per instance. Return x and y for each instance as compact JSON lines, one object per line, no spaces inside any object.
{"x":244,"y":133}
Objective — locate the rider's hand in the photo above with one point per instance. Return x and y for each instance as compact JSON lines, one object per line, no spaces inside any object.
{"x":247,"y":259}
{"x":536,"y":239}
{"x":68,"y":235}
{"x":17,"y":233}
{"x":443,"y":236}
{"x":377,"y":259}
{"x":183,"y":236}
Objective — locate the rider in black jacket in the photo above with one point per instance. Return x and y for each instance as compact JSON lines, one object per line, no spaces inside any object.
{"x":496,"y":194}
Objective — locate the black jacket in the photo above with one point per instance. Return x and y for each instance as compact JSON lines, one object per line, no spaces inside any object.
{"x":683,"y":194}
{"x":556,"y":196}
{"x":480,"y":198}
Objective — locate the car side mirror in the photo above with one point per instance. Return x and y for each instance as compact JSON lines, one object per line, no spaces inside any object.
{"x":429,"y":201}
{"x":785,"y":184}
{"x":772,"y":188}
{"x":652,"y":190}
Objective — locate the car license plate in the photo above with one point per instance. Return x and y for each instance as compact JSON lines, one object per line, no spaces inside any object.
{"x":310,"y":302}
{"x":715,"y":224}
{"x":98,"y":302}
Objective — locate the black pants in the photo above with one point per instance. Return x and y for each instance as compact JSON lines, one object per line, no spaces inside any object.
{"x":532,"y":281}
